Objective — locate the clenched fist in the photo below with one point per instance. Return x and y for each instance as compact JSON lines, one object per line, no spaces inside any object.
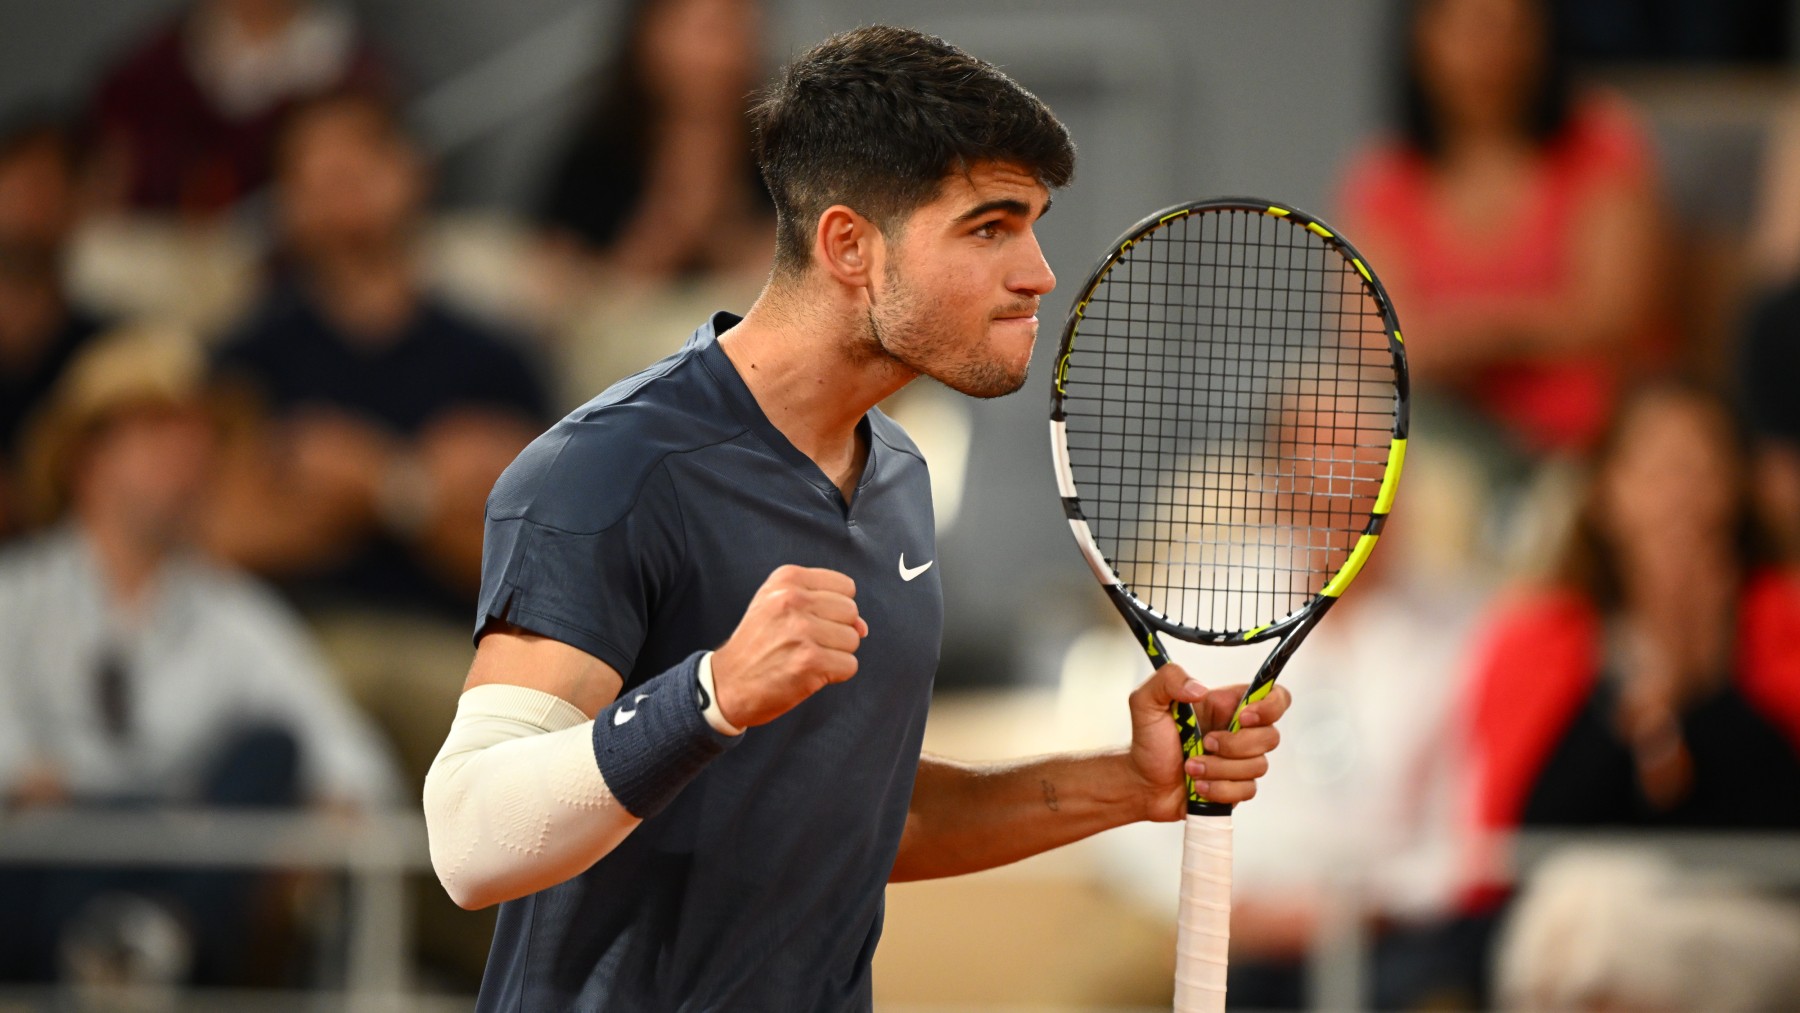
{"x":799,"y":635}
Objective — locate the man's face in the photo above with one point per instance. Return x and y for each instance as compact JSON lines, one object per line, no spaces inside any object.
{"x":958,"y":300}
{"x":37,"y":208}
{"x":148,"y":468}
{"x":347,"y":181}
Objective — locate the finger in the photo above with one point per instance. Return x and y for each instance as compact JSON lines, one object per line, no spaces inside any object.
{"x":1268,"y":710}
{"x":1227,"y":792}
{"x":831,"y":606}
{"x":1241,"y":745}
{"x":1217,"y":768}
{"x":834,"y":636}
{"x":1220,"y":706}
{"x":1167,"y":685}
{"x":836,"y":608}
{"x":819,"y":579}
{"x":837,"y":666}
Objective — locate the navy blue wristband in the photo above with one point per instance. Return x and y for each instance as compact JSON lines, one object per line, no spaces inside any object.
{"x":654,"y":739}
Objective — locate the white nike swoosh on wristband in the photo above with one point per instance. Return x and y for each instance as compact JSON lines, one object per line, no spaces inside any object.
{"x":622,"y":715}
{"x":908,"y":574}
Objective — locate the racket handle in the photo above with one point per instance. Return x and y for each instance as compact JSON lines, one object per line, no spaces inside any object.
{"x":1205,"y":922}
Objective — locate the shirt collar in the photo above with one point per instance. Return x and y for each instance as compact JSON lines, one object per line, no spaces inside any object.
{"x":743,"y":404}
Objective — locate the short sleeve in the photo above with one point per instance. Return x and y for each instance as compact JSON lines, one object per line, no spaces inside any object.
{"x":584,"y":557}
{"x":1534,"y":668}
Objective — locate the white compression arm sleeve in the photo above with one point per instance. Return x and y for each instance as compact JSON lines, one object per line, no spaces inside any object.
{"x":514,"y":802}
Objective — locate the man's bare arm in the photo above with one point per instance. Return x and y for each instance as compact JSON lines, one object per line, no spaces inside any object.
{"x":515,"y":657}
{"x":968,"y":817}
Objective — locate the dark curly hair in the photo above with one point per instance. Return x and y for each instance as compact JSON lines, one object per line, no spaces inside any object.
{"x":877,"y":117}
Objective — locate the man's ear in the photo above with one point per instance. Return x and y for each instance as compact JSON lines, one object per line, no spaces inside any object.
{"x":849,"y":247}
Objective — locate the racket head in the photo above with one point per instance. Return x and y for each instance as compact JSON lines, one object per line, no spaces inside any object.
{"x":1229,"y":416}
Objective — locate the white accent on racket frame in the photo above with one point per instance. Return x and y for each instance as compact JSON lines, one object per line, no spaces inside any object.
{"x":1065,"y":484}
{"x":1059,"y":453}
{"x":1084,"y":539}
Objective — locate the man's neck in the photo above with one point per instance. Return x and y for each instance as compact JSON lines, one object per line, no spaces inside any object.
{"x":812,"y":374}
{"x":128,"y":565}
{"x":370,"y":294}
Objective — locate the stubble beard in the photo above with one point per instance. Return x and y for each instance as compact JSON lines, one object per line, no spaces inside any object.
{"x":903,"y":331}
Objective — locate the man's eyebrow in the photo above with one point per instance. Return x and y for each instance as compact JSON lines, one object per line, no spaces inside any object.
{"x":1010,"y":205}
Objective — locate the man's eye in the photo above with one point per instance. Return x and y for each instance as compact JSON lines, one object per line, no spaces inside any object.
{"x":988,"y":230}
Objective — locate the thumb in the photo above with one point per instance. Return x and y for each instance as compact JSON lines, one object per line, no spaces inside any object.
{"x":1165,"y":686}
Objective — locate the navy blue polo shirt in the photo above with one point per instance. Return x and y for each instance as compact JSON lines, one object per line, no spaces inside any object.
{"x":637,"y":530}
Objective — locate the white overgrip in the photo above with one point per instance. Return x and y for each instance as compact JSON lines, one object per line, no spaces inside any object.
{"x":1204,"y":932}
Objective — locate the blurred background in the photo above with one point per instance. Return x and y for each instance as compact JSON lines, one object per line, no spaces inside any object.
{"x":284,"y":284}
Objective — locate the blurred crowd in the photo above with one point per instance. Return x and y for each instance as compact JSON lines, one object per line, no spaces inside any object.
{"x":249,"y":421}
{"x":1585,"y":618}
{"x":254,"y":390}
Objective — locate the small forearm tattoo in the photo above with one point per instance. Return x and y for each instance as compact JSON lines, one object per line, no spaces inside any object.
{"x":1050,"y":796}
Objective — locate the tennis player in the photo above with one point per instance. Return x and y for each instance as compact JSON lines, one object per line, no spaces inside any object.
{"x":687,"y":759}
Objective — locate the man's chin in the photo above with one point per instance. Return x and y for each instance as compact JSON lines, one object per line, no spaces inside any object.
{"x":987,"y":384}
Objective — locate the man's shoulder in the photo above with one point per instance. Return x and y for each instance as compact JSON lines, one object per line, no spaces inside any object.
{"x":31,"y":561}
{"x":591,"y":468}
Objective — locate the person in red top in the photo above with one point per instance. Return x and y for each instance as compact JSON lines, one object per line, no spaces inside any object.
{"x":1515,"y":219}
{"x":1653,"y":683}
{"x":1657,"y":683}
{"x":186,"y":122}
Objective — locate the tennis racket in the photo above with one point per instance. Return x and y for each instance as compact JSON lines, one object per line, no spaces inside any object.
{"x":1228,"y":422}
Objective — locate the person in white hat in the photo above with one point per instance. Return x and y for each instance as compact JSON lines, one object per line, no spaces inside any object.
{"x":137,"y":672}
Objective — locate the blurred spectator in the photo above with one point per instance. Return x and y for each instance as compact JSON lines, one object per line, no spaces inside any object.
{"x":659,"y":180}
{"x":392,"y":415}
{"x":187,"y":121}
{"x":1657,"y":683}
{"x":39,"y":329}
{"x":138,"y":674}
{"x":1516,"y":219}
{"x":1635,"y":689}
{"x":1768,"y":365}
{"x":1363,"y":821}
{"x":1775,"y":238}
{"x":1768,"y":352}
{"x":1359,"y":825}
{"x":1665,"y":664}
{"x":1627,"y":933}
{"x":388,"y":418}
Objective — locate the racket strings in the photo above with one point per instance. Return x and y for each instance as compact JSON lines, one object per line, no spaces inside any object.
{"x":1229,"y":399}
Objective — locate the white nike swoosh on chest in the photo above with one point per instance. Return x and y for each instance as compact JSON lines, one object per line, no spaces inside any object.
{"x":908,"y":573}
